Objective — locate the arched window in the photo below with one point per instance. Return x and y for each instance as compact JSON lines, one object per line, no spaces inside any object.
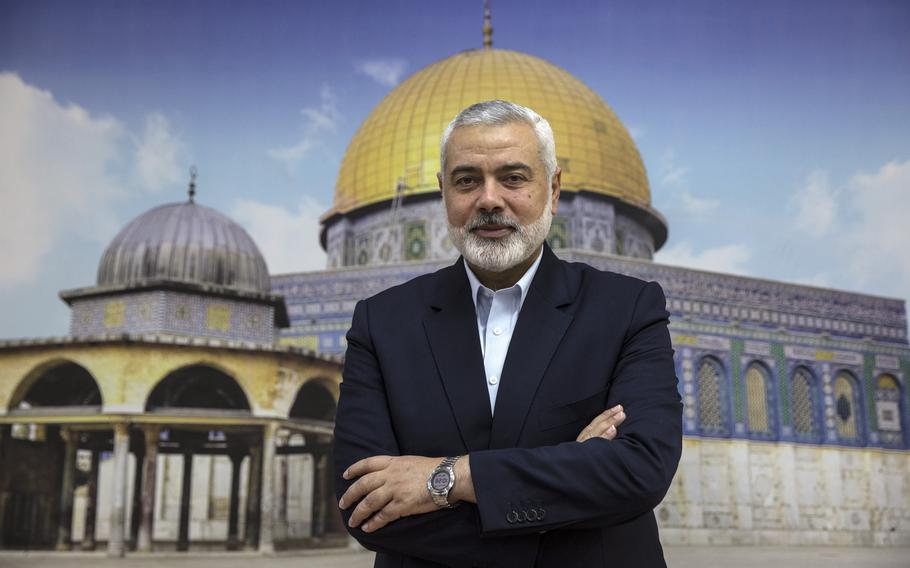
{"x":712,"y":407}
{"x":888,"y":411}
{"x":759,"y":422}
{"x":802,"y":400}
{"x":847,"y":408}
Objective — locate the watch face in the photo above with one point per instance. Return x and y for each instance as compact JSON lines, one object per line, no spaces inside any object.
{"x":440,"y":481}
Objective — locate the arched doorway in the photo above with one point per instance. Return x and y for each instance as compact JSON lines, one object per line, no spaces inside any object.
{"x":211,"y":447}
{"x":314,"y":410}
{"x":40,"y":473}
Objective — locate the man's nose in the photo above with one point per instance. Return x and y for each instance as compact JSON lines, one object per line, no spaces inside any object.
{"x":491,"y":195}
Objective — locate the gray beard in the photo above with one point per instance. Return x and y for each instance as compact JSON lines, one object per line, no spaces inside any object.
{"x":498,"y":255}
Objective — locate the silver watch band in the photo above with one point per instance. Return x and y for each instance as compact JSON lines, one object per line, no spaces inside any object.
{"x":441,"y":498}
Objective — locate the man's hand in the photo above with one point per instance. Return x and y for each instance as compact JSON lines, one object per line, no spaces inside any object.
{"x":388,"y":488}
{"x":604,"y":425}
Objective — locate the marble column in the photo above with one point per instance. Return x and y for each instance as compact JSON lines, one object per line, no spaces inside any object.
{"x":91,"y":503}
{"x":115,"y":544}
{"x":233,"y":543}
{"x":65,"y":526}
{"x":149,"y":471}
{"x":320,"y":479}
{"x":183,"y":536}
{"x":267,"y":499}
{"x":254,"y":490}
{"x":136,"y":509}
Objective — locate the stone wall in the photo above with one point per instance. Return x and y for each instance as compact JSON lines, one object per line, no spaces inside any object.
{"x":742,"y":492}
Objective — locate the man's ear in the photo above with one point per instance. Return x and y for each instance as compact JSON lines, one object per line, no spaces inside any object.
{"x":439,"y":179}
{"x":556,"y":184}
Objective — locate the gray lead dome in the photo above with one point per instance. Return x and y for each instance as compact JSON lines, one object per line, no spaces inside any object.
{"x":184,"y":242}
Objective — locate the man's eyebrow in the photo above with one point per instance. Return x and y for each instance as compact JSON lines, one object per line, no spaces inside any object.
{"x":512,"y":166}
{"x":463,"y":169}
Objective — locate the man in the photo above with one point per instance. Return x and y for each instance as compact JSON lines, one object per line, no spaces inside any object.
{"x":478,"y":412}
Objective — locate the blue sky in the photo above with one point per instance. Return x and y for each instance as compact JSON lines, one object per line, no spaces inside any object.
{"x":776,"y":134}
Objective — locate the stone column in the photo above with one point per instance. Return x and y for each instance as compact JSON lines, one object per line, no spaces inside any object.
{"x":149,"y":471}
{"x":136,"y":509}
{"x":233,"y":543}
{"x":183,"y":535}
{"x":115,"y":544}
{"x":254,"y":489}
{"x":65,"y":526}
{"x":91,"y":504}
{"x":267,"y":499}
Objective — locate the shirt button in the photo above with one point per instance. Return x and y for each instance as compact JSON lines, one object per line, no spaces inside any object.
{"x":497,"y":331}
{"x":494,"y":379}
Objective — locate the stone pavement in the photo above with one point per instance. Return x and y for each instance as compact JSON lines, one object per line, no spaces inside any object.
{"x":677,"y":557}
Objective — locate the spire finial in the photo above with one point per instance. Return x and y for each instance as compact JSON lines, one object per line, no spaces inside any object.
{"x":192,"y":191}
{"x":487,"y":26}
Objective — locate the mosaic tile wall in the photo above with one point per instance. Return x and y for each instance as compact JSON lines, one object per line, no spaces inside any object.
{"x":173,"y":312}
{"x":418,"y":232}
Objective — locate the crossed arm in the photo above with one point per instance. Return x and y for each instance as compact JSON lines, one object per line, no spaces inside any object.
{"x":391,"y":487}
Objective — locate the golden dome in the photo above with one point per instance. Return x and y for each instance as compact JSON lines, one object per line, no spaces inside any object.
{"x":399,"y":141}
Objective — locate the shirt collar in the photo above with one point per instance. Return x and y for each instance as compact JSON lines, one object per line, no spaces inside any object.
{"x":524,"y":283}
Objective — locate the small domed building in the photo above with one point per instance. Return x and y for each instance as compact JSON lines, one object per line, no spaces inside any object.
{"x":169,"y":415}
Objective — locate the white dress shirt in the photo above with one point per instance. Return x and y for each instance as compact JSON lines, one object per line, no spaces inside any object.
{"x":497,"y":313}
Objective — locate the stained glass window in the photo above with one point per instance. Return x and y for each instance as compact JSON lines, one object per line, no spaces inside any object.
{"x":887,"y":409}
{"x":757,"y":400}
{"x":712,"y":411}
{"x":805,"y":423}
{"x":846,"y":407}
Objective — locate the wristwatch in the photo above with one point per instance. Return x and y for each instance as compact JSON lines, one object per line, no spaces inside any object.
{"x":441,"y":482}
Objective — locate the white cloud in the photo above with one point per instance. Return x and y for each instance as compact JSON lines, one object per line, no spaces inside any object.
{"x":55,"y":176}
{"x":697,"y":205}
{"x":816,"y":205}
{"x":876,"y":237}
{"x":386,"y":72}
{"x":670,"y":173}
{"x":160,"y":155}
{"x":317,"y":121}
{"x":730,"y":259}
{"x":286,"y":238}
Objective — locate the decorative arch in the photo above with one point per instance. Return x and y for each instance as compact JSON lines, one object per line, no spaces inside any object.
{"x":888,"y":398}
{"x":198,"y":386}
{"x":713,"y":406}
{"x":760,"y":417}
{"x":314,"y":400}
{"x":804,"y":405}
{"x":848,"y":413}
{"x":57,"y":382}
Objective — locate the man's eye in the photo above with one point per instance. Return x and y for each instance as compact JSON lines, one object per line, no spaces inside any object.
{"x":464,"y":181}
{"x":514,"y":178}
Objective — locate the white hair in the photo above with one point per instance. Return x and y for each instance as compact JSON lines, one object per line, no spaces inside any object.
{"x":498,"y":113}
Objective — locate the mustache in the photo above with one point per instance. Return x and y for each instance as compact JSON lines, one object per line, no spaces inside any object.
{"x":482,"y":219}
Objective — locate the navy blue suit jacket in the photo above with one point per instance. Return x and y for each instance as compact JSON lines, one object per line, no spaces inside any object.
{"x":585,"y":340}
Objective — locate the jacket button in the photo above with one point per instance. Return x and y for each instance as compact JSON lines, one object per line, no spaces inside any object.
{"x":532,"y":515}
{"x":522,"y":516}
{"x":512,"y":516}
{"x":541,"y":513}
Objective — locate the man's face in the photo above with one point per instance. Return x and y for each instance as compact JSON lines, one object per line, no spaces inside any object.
{"x":497,"y":197}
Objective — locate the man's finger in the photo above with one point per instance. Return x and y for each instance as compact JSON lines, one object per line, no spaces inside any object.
{"x":367,"y":465}
{"x":601,"y":422}
{"x":370,"y":504}
{"x":382,"y":517}
{"x":363,"y":486}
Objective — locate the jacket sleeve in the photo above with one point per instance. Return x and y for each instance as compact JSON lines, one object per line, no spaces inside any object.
{"x":363,"y":428}
{"x":596,"y":482}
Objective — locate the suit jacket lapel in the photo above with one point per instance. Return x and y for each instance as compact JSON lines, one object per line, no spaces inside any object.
{"x":451,"y":328}
{"x":540,"y":328}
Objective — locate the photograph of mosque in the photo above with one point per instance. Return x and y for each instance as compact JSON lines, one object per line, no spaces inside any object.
{"x":190,"y":406}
